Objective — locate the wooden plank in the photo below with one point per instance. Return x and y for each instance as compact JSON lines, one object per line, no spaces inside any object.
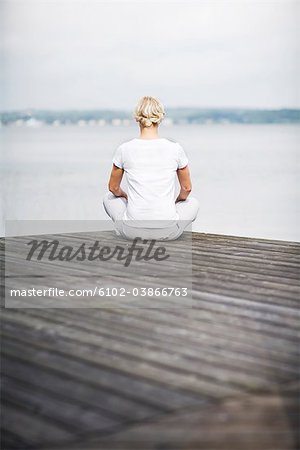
{"x":31,"y":427}
{"x":156,"y":394}
{"x":159,"y":373}
{"x":116,"y":404}
{"x":140,"y":332}
{"x":249,"y":240}
{"x":247,"y":423}
{"x":157,"y":356}
{"x":40,"y":403}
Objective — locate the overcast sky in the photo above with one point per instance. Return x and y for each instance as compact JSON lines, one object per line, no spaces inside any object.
{"x":106,"y":54}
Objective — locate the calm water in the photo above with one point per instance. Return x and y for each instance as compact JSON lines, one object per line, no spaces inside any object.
{"x":245,"y":176}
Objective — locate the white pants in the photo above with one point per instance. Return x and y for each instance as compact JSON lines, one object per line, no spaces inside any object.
{"x":115,"y":207}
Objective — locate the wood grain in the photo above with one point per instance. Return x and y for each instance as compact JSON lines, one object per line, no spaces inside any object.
{"x":220,"y":374}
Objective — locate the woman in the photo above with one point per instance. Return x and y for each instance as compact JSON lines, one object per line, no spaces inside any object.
{"x":151,"y":163}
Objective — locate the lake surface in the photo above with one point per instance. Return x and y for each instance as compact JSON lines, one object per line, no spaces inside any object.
{"x":246,"y":177}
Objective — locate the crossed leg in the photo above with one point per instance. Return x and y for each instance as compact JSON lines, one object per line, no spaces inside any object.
{"x":114,"y":206}
{"x":187,"y":211}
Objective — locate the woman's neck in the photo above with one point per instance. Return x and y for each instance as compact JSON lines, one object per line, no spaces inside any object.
{"x":149,"y":132}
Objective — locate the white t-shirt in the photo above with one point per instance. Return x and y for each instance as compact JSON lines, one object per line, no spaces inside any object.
{"x":150,"y":166}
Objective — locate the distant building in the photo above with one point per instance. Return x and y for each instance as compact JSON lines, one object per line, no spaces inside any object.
{"x":33,"y":123}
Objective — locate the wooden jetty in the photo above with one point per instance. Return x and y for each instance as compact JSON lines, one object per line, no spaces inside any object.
{"x":222,"y":374}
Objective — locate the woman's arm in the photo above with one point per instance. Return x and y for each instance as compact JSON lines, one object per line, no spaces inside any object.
{"x":115,"y":182}
{"x":184,"y":179}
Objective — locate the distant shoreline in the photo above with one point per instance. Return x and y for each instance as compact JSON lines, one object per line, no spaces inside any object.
{"x":181,"y":116}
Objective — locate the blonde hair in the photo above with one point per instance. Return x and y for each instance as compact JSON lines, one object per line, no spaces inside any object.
{"x":149,"y":111}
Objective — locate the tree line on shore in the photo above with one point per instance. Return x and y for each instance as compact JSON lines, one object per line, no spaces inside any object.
{"x":176,"y":115}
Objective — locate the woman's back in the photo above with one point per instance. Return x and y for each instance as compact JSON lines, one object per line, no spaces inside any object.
{"x":150,"y":166}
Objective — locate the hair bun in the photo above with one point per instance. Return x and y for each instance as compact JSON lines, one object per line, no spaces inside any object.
{"x":145,"y":122}
{"x":149,"y":111}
